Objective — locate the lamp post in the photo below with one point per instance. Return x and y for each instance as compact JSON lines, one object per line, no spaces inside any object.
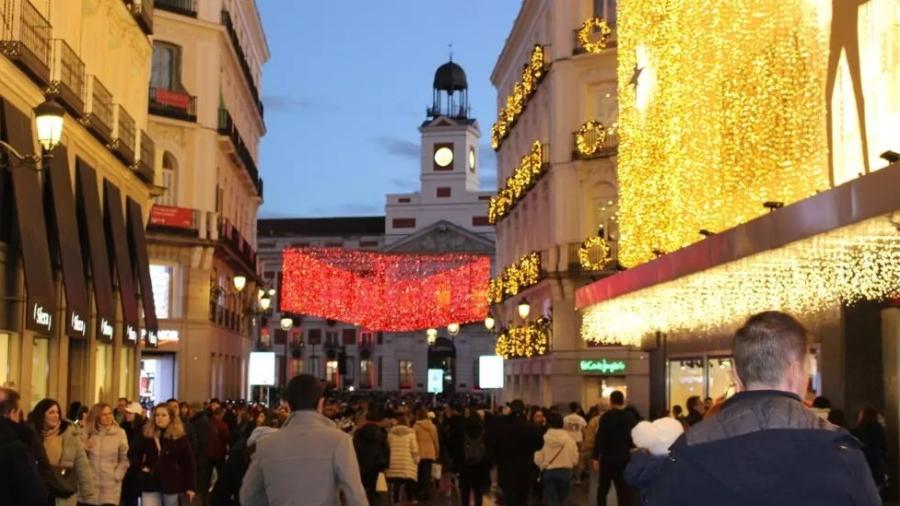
{"x":524,"y":309}
{"x":453,"y":329}
{"x":489,"y":323}
{"x":239,"y":282}
{"x":48,"y":119}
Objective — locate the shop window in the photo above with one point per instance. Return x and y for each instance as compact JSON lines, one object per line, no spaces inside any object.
{"x":40,"y":370}
{"x":4,"y":358}
{"x":718,"y":374}
{"x":104,"y":367}
{"x":126,"y":372}
{"x":406,"y":374}
{"x":685,"y":380}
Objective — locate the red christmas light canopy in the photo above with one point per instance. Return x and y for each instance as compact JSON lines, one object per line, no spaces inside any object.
{"x":380,"y":291}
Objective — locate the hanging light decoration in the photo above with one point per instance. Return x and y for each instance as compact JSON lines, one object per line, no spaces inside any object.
{"x":532,"y":74}
{"x":389,"y":292}
{"x":530,"y":170}
{"x":529,"y":340}
{"x":515,"y":278}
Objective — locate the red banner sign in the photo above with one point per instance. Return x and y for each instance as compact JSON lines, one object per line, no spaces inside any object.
{"x":168,"y":216}
{"x":172,"y":98}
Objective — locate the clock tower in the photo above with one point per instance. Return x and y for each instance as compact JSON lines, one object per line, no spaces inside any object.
{"x":449,"y":136}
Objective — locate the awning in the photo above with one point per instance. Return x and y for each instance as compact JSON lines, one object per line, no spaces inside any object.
{"x":68,"y":243}
{"x":118,"y":241}
{"x":138,"y":243}
{"x":838,"y":246}
{"x":94,"y":240}
{"x":41,"y":296}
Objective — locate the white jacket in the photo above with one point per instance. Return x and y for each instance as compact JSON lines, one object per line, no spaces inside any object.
{"x":404,"y":453}
{"x":559,"y":451}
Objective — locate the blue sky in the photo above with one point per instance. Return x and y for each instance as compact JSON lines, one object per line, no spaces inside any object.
{"x":347,"y":86}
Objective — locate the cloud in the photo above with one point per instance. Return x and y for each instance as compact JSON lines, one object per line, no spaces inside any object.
{"x":399,"y":147}
{"x":287,"y":104}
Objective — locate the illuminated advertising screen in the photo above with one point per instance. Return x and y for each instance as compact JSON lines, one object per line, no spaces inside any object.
{"x":435,"y":381}
{"x":262,"y":368}
{"x":490,"y":371}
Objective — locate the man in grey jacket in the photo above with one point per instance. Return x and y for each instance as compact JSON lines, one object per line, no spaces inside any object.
{"x":306,"y":462}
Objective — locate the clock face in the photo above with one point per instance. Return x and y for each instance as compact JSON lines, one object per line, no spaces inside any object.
{"x":471,"y":159}
{"x":443,"y":156}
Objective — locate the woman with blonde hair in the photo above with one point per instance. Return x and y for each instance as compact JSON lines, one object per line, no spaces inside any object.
{"x":165,"y":460}
{"x":64,"y":448}
{"x":107,"y":450}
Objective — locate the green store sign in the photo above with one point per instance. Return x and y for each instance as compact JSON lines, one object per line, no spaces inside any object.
{"x":602,"y":366}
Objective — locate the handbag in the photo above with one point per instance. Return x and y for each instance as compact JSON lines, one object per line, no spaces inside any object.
{"x":381,"y":483}
{"x":544,"y":468}
{"x":63,"y":482}
{"x":436,"y":471}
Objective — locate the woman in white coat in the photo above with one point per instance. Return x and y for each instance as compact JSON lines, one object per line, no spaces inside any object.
{"x":404,"y":462}
{"x":556,"y":460}
{"x":107,"y":450}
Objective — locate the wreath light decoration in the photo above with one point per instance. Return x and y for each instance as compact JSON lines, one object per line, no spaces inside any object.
{"x":590,"y":137}
{"x":594,"y":253}
{"x":595,"y":26}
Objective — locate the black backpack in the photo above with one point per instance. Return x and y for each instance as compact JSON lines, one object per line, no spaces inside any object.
{"x":474,"y":450}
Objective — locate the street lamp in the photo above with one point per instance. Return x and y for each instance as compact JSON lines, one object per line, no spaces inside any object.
{"x":524,"y":309}
{"x":239,"y":282}
{"x":49,"y":121}
{"x":265,"y":302}
{"x":453,"y":329}
{"x":489,"y":323}
{"x":431,"y":336}
{"x":286,"y":323}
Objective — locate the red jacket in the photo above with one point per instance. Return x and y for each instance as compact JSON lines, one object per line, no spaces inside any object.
{"x":173,"y":472}
{"x":219,"y":438}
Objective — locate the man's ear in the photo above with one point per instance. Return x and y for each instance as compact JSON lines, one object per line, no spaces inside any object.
{"x":737,"y":379}
{"x":321,"y":406}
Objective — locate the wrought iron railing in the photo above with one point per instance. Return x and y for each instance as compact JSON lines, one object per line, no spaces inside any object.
{"x":228,"y":128}
{"x":145,"y":168}
{"x":242,"y":58}
{"x":184,"y":7}
{"x":172,"y":104}
{"x":99,"y":110}
{"x":126,"y":136}
{"x":67,"y":79}
{"x":25,"y":38}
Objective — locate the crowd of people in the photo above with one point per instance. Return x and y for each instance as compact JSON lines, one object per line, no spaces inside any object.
{"x":763,"y":445}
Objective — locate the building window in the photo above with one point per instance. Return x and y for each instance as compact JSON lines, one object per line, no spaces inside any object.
{"x":169,"y":181}
{"x":365,"y":374}
{"x":368,"y":244}
{"x":334,"y":244}
{"x":404,"y":223}
{"x":480,"y":221}
{"x":331,"y":372}
{"x":166,"y":66}
{"x":379,"y":337}
{"x":404,"y":200}
{"x":331,"y":338}
{"x":379,"y":371}
{"x":314,"y":336}
{"x":484,"y":197}
{"x":685,"y":380}
{"x":161,"y":279}
{"x":40,"y":370}
{"x":406,"y":374}
{"x":606,"y":9}
{"x":443,"y":192}
{"x":365,"y":339}
{"x":348,"y":337}
{"x":296,"y":366}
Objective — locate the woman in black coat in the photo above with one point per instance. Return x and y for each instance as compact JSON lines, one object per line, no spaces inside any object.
{"x":870,"y":433}
{"x":372,"y":451}
{"x":165,"y":459}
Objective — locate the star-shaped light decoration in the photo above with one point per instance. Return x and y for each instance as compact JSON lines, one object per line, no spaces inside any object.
{"x":635,"y":75}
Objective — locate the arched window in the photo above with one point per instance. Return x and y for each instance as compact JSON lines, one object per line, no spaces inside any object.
{"x":169,"y":181}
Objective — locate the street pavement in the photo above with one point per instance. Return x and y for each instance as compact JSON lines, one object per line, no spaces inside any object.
{"x":578,"y":497}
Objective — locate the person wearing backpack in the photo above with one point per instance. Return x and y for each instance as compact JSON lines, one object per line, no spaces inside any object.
{"x":475,"y":471}
{"x":556,"y":460}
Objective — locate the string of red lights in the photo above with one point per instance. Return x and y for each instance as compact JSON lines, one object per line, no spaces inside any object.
{"x":385,"y":291}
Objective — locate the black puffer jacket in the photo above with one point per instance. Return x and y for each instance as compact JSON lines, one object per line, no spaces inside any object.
{"x":372,"y":451}
{"x":20,"y":484}
{"x":763,"y":447}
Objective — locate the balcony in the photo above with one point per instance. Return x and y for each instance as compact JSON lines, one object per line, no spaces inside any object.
{"x":98,"y":116}
{"x":598,"y":262}
{"x":123,"y":146}
{"x":594,"y":140}
{"x":171,"y":220}
{"x":142,"y":10}
{"x":229,"y":130}
{"x":242,"y":59}
{"x":25,"y":39}
{"x":183,"y":7}
{"x":235,"y":242}
{"x":67,"y":77}
{"x":144,"y":167}
{"x":173,"y":104}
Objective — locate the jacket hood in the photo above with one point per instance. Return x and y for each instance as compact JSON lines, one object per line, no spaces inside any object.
{"x":757,"y":462}
{"x":424,"y":423}
{"x":556,"y":438}
{"x":402,"y":430}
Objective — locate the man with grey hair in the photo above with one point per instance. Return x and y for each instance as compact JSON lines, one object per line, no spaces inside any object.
{"x":764,"y":446}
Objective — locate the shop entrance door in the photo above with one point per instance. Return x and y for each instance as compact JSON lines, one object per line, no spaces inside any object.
{"x":157,"y":378}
